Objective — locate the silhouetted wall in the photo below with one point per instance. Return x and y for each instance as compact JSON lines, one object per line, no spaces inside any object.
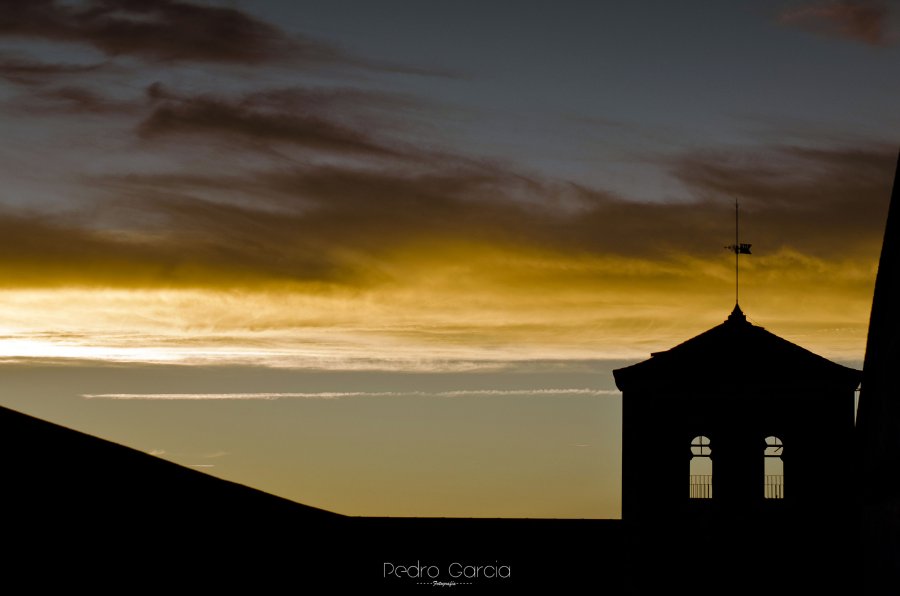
{"x":736,"y":385}
{"x":816,"y":428}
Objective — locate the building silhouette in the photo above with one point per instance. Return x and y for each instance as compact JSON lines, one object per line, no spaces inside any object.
{"x":737,"y":465}
{"x":736,"y":422}
{"x":746,"y":466}
{"x":878,"y":420}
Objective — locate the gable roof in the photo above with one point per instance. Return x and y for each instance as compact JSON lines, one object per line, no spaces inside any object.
{"x":736,"y":354}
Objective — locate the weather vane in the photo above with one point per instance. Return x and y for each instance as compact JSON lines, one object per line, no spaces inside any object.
{"x":738,"y":249}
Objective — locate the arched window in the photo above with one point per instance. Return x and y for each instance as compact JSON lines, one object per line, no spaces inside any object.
{"x":701,"y":468}
{"x":774,"y":468}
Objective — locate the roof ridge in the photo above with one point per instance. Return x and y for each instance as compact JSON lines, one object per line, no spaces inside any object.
{"x":736,"y":349}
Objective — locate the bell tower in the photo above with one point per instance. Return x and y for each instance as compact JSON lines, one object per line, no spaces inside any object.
{"x":735,"y":422}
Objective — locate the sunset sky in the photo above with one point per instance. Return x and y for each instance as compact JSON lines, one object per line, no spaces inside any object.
{"x":380,"y":257}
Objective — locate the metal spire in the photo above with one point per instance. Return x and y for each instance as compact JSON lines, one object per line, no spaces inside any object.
{"x":738,"y":249}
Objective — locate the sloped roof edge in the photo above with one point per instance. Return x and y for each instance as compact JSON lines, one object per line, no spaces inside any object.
{"x":739,"y":353}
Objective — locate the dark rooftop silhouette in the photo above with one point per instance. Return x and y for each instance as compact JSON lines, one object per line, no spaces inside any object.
{"x":82,"y":511}
{"x":76,"y":474}
{"x":736,"y":350}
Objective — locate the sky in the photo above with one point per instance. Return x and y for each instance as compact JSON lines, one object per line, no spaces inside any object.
{"x":381,"y":257}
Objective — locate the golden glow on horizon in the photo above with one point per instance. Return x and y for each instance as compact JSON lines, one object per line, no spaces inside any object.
{"x":447,"y":305}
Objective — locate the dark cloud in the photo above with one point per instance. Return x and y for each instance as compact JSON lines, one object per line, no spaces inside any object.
{"x":327,"y":224}
{"x":43,"y":250}
{"x":300,"y":117}
{"x":346,"y":226}
{"x":824,"y":202}
{"x":233,"y":246}
{"x":335,"y":102}
{"x":72,"y":100}
{"x":161,"y":30}
{"x":31,"y":72}
{"x":865,"y":21}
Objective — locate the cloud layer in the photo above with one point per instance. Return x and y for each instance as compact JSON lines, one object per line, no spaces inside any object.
{"x":158,"y":30}
{"x":865,"y":21}
{"x":353,"y":225}
{"x":165,"y":163}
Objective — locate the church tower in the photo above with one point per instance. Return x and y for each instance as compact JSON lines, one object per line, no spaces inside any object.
{"x":735,"y":422}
